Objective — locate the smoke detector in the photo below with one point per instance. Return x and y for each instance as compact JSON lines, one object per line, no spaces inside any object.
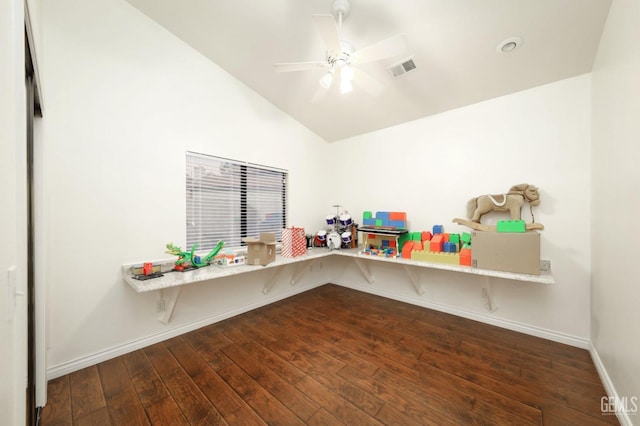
{"x":402,"y":67}
{"x":509,"y":45}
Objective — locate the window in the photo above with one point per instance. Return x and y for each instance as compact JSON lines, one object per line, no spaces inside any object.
{"x":229,"y":200}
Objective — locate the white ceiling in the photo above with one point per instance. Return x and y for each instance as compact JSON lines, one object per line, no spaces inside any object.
{"x":452,"y":42}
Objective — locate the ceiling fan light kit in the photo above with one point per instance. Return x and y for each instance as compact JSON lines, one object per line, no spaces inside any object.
{"x":327,"y":80}
{"x":345,"y":86}
{"x":341,"y":55}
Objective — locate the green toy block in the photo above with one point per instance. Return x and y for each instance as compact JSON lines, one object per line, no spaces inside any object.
{"x":378,"y":222}
{"x":367,"y":215}
{"x":466,"y":238}
{"x":415,"y":236}
{"x":512,"y":226}
{"x":454,"y":238}
{"x":403,"y":239}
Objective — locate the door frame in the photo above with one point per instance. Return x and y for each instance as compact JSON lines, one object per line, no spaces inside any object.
{"x":36,"y":349}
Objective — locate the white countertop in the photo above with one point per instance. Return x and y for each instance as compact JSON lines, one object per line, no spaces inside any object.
{"x":173,"y":279}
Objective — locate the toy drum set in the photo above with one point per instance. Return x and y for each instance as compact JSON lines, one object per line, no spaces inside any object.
{"x":340,"y":233}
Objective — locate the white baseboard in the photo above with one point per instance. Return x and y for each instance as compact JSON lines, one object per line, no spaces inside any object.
{"x":623,"y":417}
{"x":109,"y":353}
{"x":487,"y":319}
{"x":104,"y":355}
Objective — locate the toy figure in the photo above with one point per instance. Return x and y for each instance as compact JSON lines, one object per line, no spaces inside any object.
{"x":511,"y":201}
{"x":186,"y":259}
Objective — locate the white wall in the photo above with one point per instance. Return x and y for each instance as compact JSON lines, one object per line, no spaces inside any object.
{"x":13,"y":350}
{"x":125,"y":100}
{"x":431,"y":167}
{"x":615,"y":314}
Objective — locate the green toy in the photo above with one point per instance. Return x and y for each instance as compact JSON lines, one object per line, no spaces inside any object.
{"x":186,"y":259}
{"x":511,"y":226}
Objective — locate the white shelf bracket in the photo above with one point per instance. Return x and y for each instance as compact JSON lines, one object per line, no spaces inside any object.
{"x":300,"y":271}
{"x":167,"y":300}
{"x":488,"y":293}
{"x":365,"y":271}
{"x":272,"y":281}
{"x":415,"y":279}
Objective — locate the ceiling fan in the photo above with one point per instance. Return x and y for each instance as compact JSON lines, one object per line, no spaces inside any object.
{"x":341,"y":55}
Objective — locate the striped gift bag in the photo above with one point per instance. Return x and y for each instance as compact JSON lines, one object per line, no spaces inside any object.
{"x":294,"y":242}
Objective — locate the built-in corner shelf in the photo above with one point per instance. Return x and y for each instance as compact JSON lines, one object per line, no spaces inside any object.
{"x":411,"y":268}
{"x":170,"y":284}
{"x":168,"y":287}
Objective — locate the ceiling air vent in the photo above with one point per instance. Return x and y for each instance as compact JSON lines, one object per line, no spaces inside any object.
{"x":402,"y":67}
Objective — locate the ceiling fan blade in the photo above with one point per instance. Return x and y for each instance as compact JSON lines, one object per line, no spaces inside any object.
{"x":320,"y":94}
{"x":367,"y":83}
{"x":389,"y":47}
{"x":326,"y":26}
{"x":300,"y":66}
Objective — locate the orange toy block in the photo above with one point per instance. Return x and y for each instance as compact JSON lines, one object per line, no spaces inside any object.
{"x":426,"y":236}
{"x":465,"y":257}
{"x":446,"y":237}
{"x":436,"y":243}
{"x":410,"y":246}
{"x":398,"y":216}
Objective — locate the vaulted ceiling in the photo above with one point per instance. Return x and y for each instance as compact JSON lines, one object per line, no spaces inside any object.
{"x":453,"y":43}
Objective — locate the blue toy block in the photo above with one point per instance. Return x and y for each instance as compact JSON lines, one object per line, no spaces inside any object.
{"x":382,"y":215}
{"x":385,"y":243}
{"x":449,"y":247}
{"x":369,"y":222}
{"x":398,"y":224}
{"x":438,"y":229}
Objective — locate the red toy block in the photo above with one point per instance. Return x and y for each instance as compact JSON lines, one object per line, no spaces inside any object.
{"x":392,"y":243}
{"x":446,"y":237}
{"x":426,"y":236}
{"x":437,"y":241}
{"x":465,"y":257}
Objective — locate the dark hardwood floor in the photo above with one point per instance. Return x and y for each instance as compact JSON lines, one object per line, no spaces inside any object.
{"x":337,"y":356}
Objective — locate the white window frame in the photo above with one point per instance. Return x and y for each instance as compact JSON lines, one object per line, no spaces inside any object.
{"x":230,"y":200}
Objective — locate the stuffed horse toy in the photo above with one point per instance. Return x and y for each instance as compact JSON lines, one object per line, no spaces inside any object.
{"x":512,"y":201}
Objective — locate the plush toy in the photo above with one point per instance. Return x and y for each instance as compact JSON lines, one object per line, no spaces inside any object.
{"x":512,"y":201}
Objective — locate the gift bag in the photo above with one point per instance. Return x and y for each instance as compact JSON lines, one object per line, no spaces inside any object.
{"x":294,"y":242}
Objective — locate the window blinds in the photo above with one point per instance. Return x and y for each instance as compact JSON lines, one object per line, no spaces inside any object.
{"x":230,"y":200}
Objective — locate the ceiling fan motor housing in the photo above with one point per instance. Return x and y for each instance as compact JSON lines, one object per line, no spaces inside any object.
{"x":340,"y":7}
